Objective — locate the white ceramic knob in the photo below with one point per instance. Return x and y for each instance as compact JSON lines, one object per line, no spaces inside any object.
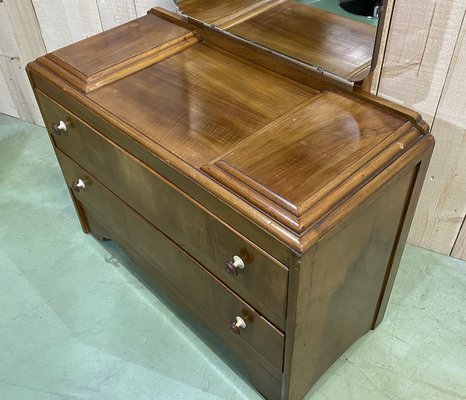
{"x":240,"y":323}
{"x":78,"y":185}
{"x":232,"y":267}
{"x":235,"y":326}
{"x":59,"y":128}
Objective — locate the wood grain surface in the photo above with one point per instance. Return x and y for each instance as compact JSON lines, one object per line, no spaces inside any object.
{"x":213,"y":11}
{"x":251,"y":103}
{"x":205,"y":154}
{"x":423,"y":68}
{"x":314,"y":151}
{"x":413,"y":67}
{"x":198,"y":231}
{"x":117,"y":45}
{"x":325,"y":40}
{"x":259,"y":345}
{"x":185,"y":90}
{"x":334,"y":289}
{"x":336,"y":44}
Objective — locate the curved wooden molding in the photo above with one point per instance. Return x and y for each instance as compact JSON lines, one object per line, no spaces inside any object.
{"x":338,"y":156}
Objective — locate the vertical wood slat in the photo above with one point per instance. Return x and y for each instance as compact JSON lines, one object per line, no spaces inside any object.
{"x":8,"y":45}
{"x":26,"y":30}
{"x":459,"y":250}
{"x":423,"y":69}
{"x":116,"y":12}
{"x":65,"y":22}
{"x":8,"y":49}
{"x":18,"y":89}
{"x":142,"y":6}
{"x":422,"y":37}
{"x":7,"y":105}
{"x":21,"y":43}
{"x":442,"y":209}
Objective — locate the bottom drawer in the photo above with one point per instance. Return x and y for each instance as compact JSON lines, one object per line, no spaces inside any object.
{"x":259,"y":346}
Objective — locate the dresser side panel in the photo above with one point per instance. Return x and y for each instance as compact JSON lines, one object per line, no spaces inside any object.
{"x":336,"y":287}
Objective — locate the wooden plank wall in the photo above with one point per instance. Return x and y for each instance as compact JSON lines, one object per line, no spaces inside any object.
{"x":422,"y":65}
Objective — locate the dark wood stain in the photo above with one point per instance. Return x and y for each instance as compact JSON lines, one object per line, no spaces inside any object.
{"x":185,"y":90}
{"x":196,"y":146}
{"x":116,"y":45}
{"x":196,"y":230}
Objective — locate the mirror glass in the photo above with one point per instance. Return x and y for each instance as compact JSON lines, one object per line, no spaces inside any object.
{"x":332,"y":36}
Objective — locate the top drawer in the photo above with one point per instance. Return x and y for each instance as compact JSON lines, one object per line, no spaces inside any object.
{"x":262,"y":282}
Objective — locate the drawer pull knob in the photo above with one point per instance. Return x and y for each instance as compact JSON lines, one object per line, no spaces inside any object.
{"x":235,"y":326}
{"x":59,"y":128}
{"x":232,"y":266}
{"x":78,"y":185}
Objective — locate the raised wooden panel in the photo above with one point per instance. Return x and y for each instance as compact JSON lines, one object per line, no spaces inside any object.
{"x":307,"y":159}
{"x":115,"y":46}
{"x":127,"y":48}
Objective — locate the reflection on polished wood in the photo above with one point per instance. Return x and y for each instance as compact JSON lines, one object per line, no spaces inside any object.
{"x":185,"y":90}
{"x":334,"y":43}
{"x":212,"y":11}
{"x":196,"y":147}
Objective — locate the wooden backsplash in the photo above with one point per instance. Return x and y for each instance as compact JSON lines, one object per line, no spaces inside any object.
{"x":422,"y":65}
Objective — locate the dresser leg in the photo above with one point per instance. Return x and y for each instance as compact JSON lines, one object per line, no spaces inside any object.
{"x":80,"y":212}
{"x":96,"y":229}
{"x":89,"y":223}
{"x":419,"y":174}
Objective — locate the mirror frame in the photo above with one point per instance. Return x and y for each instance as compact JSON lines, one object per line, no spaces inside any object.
{"x":318,"y":69}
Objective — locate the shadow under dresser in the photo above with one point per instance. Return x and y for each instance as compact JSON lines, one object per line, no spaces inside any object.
{"x":269,"y":203}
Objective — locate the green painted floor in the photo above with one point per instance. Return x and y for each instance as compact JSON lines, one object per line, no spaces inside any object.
{"x":75,"y":324}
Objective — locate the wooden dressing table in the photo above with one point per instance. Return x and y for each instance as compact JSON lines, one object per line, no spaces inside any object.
{"x":270,"y":202}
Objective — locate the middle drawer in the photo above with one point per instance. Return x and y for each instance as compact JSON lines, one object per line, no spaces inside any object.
{"x":262,"y":282}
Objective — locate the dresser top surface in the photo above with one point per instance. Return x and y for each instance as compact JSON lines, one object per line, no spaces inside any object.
{"x":278,"y":145}
{"x":201,"y":102}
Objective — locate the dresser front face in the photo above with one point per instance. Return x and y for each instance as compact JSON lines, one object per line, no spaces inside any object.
{"x":229,"y":197}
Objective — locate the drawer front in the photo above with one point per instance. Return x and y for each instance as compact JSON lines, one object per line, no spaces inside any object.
{"x":186,"y":281}
{"x":262,"y":282}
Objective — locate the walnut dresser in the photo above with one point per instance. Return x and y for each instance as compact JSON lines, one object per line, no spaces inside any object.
{"x":269,"y":202}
